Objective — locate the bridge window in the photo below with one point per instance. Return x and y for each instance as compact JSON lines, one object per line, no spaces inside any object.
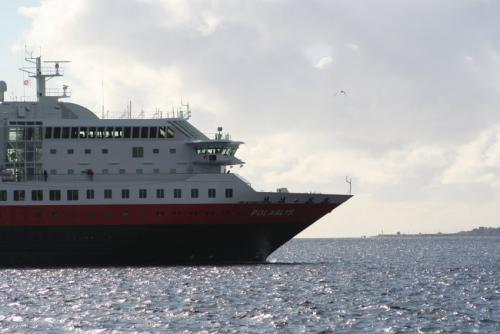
{"x":3,"y":195}
{"x":135,"y":132}
{"x":125,"y":193}
{"x":194,"y":193}
{"x":162,"y":132}
{"x":57,"y":133}
{"x":54,"y":195}
{"x":71,"y":151}
{"x":177,"y":193}
{"x":65,"y":133}
{"x":156,"y":150}
{"x":211,"y":193}
{"x":48,"y":133}
{"x":100,"y":133}
{"x":92,"y":132}
{"x":229,"y":193}
{"x":74,"y":133}
{"x":72,"y":195}
{"x":165,"y":132}
{"x":104,"y":151}
{"x":143,"y":193}
{"x":144,"y":132}
{"x":37,"y":195}
{"x":118,"y":132}
{"x":160,"y":193}
{"x":108,"y":193}
{"x":205,"y":150}
{"x":83,"y":133}
{"x":109,"y":132}
{"x":88,"y":151}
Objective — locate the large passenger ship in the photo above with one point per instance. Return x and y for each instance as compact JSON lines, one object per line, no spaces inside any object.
{"x":79,"y":190}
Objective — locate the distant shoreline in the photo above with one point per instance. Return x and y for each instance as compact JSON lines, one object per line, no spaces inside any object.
{"x":477,"y":232}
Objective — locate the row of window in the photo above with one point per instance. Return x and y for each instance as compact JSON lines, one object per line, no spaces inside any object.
{"x":224,"y":150}
{"x":110,"y":132}
{"x":73,"y":194}
{"x":137,"y":152}
{"x":106,"y":171}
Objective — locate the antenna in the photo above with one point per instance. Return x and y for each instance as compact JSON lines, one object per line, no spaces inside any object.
{"x":102,"y":92}
{"x":56,"y":64}
{"x":43,"y":74}
{"x":187,"y":110}
{"x":349,"y":181}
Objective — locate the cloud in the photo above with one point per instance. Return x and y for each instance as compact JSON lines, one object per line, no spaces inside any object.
{"x":477,"y":161}
{"x":324,"y":62}
{"x":417,"y":128}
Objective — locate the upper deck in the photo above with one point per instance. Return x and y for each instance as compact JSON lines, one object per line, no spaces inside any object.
{"x":61,"y":139}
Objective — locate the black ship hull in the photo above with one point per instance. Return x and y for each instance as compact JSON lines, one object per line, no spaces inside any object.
{"x":129,"y":245}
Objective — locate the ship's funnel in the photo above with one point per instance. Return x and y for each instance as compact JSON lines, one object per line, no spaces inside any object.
{"x":3,"y":89}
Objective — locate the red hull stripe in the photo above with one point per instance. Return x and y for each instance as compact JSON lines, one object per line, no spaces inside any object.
{"x":63,"y":215}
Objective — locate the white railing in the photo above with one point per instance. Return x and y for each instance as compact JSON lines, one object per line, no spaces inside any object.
{"x":217,"y":135}
{"x":58,"y":92}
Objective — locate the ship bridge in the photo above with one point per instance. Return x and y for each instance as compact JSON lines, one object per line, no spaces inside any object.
{"x":217,"y":151}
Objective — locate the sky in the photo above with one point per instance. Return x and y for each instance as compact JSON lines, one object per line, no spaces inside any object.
{"x":401,"y":96}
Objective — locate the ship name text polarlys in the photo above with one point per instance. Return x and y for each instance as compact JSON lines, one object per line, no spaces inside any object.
{"x":267,"y":213}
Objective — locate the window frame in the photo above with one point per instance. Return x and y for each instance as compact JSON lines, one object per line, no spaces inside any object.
{"x":137,"y":152}
{"x":19,"y":195}
{"x":54,"y":195}
{"x":37,"y":195}
{"x":72,"y":195}
{"x":90,"y":194}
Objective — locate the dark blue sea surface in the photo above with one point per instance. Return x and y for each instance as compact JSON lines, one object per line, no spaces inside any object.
{"x":398,"y":285}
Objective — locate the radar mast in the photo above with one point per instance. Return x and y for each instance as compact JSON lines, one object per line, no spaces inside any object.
{"x":44,"y":73}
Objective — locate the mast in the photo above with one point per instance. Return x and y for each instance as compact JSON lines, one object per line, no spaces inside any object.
{"x":43,"y":74}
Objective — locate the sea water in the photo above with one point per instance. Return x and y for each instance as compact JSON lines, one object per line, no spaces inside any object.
{"x":393,"y":285}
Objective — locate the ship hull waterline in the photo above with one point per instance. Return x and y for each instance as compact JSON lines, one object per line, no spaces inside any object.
{"x":142,"y":235}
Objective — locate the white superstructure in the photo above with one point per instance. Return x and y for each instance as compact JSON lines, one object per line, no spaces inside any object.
{"x":56,"y":151}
